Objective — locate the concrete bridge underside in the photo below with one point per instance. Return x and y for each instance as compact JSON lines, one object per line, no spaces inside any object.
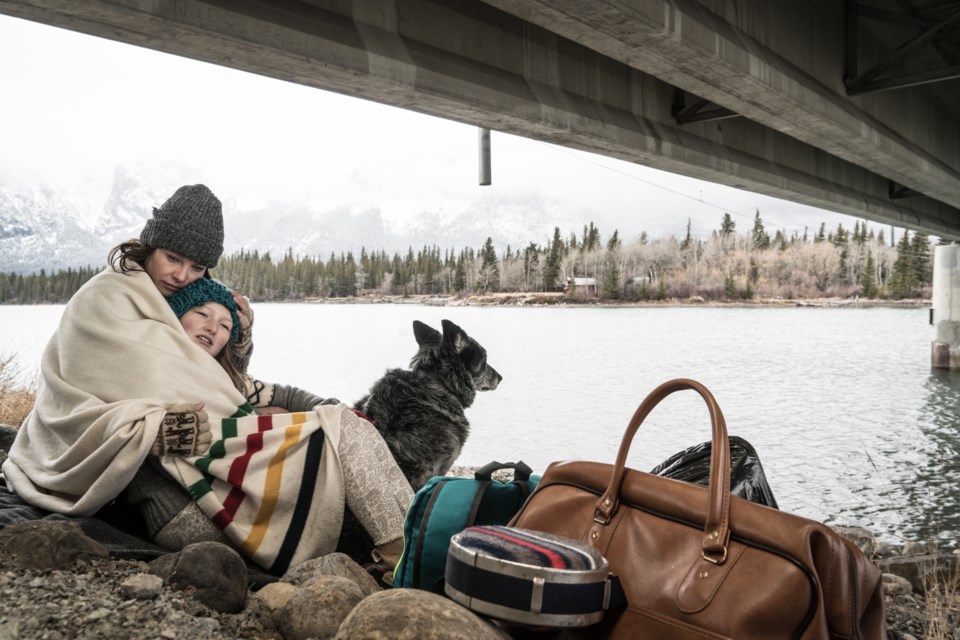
{"x":851,"y":106}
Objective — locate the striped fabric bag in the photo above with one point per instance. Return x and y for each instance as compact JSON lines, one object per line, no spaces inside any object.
{"x":272,"y":484}
{"x":530,"y":577}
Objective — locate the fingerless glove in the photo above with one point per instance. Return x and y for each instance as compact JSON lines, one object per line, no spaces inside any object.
{"x":184,"y":431}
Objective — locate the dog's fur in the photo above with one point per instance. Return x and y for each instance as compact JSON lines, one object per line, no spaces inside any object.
{"x":420,"y":411}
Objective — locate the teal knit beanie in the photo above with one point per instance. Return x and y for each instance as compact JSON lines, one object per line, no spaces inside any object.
{"x":201,"y":292}
{"x":190,"y":223}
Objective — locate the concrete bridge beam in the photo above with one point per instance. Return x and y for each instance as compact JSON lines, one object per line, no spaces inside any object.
{"x":600,"y":76}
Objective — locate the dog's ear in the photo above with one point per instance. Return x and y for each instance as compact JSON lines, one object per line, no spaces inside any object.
{"x":454,"y":335}
{"x":424,"y":334}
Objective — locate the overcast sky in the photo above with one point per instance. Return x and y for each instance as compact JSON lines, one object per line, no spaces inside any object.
{"x":75,"y":106}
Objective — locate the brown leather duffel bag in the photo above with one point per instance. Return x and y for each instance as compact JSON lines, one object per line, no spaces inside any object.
{"x":696,"y":562}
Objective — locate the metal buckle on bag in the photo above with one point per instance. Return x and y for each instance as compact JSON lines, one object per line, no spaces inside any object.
{"x":536,"y":595}
{"x":716,"y":561}
{"x":598,"y":517}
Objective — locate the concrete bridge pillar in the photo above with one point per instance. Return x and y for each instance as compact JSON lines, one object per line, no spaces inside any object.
{"x":945,"y":311}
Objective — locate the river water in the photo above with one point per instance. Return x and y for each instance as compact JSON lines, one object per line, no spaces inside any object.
{"x":850,"y":422}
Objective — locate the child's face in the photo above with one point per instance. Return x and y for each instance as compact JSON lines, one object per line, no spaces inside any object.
{"x":209,"y":325}
{"x":171,"y":272}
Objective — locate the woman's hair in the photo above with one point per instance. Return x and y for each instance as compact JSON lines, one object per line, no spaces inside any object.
{"x":130,"y":256}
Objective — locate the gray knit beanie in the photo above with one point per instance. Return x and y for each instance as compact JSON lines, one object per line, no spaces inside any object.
{"x":190,"y":223}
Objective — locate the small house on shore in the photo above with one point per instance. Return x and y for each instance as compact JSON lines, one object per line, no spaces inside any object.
{"x":582,"y":287}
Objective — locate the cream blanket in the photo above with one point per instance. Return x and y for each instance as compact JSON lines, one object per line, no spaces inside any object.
{"x":117,"y":359}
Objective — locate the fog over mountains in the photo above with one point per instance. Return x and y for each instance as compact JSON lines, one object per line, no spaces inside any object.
{"x":50,"y":224}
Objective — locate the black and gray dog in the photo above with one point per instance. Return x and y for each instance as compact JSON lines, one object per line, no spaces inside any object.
{"x":420,"y":411}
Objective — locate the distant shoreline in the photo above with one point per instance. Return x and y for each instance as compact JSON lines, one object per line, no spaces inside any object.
{"x":560,"y":300}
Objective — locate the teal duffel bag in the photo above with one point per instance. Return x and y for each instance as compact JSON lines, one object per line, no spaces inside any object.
{"x":444,"y":507}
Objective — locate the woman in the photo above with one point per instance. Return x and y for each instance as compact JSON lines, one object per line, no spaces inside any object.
{"x":120,"y":380}
{"x":98,"y":414}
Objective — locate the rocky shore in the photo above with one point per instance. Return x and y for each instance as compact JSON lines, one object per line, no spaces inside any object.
{"x":56,"y":583}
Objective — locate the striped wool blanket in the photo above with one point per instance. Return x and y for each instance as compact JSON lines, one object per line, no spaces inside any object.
{"x":272,"y":484}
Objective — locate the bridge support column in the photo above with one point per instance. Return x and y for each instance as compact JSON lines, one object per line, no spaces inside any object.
{"x":945,"y":311}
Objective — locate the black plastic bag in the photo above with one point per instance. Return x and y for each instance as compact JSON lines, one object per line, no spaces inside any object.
{"x":747,"y":479}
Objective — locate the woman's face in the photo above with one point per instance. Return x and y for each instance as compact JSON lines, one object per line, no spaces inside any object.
{"x":171,"y":272}
{"x":209,"y":325}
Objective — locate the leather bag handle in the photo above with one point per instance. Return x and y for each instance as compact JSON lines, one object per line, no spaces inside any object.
{"x":716,"y":531}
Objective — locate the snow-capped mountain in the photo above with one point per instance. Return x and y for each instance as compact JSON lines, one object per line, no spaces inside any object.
{"x":51,"y":226}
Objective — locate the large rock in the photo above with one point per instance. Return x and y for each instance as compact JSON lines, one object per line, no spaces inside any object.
{"x":49,"y":544}
{"x":215,"y":572}
{"x":863,"y":538}
{"x":142,"y":586}
{"x":923,"y":571}
{"x":334,"y":564}
{"x":894,"y":586}
{"x":411,"y":614}
{"x":266,"y":604}
{"x":318,"y":607}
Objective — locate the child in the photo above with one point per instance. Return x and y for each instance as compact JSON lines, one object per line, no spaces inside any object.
{"x":209,"y":314}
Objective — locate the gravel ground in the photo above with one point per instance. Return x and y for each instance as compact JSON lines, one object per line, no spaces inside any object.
{"x":89,"y":602}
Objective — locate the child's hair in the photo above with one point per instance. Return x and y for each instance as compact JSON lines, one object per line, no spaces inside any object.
{"x":200,"y":292}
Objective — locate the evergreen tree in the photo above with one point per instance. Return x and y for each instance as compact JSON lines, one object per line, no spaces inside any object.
{"x":759,"y":237}
{"x":611,"y":277}
{"x":780,"y":240}
{"x":460,"y":275}
{"x":922,"y":260}
{"x":489,"y":279}
{"x":644,"y":293}
{"x":661,"y":290}
{"x":688,"y":239}
{"x":902,"y":276}
{"x":614,"y":243}
{"x":531,"y":264}
{"x":821,"y":234}
{"x":727,"y":225}
{"x":729,"y":286}
{"x":591,"y":238}
{"x":868,"y":284}
{"x":840,"y":241}
{"x":551,"y":271}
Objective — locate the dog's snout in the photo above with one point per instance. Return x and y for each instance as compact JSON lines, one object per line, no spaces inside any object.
{"x":489,"y":380}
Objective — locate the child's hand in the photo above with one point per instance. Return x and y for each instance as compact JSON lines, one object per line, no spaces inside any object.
{"x":185,"y":431}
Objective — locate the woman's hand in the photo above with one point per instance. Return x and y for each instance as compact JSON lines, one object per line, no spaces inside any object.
{"x":185,"y":431}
